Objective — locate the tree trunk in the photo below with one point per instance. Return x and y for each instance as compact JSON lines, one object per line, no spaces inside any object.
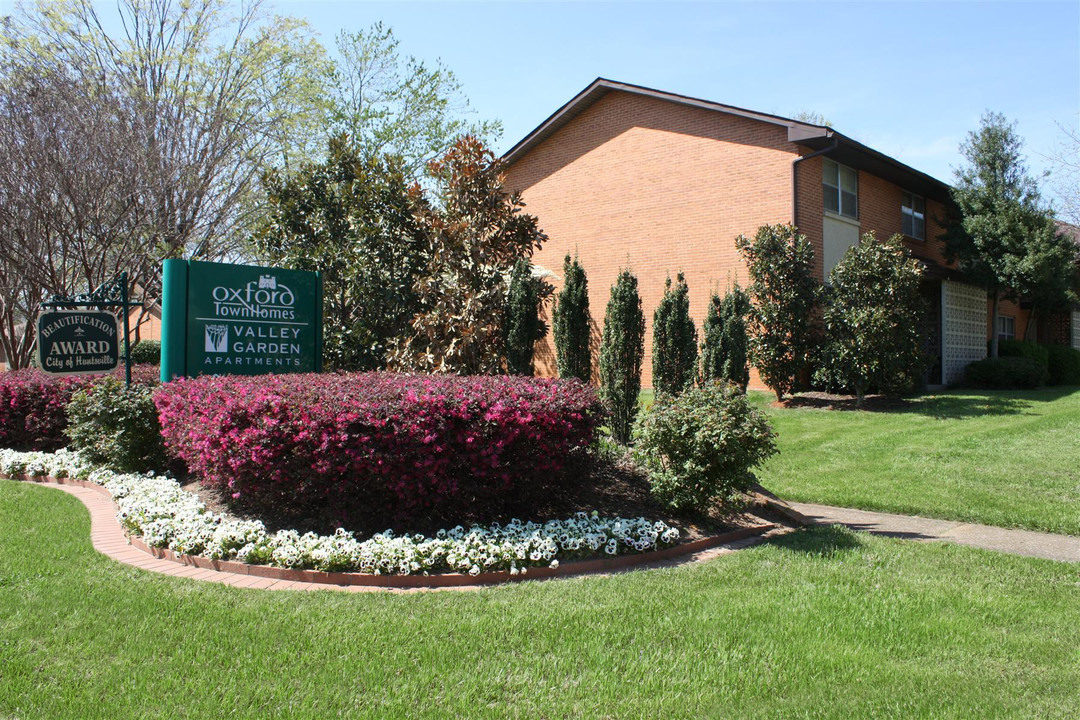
{"x":860,"y":395}
{"x":1031,"y":324}
{"x":994,"y":324}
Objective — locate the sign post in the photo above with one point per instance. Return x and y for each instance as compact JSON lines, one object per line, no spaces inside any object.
{"x":72,"y":342}
{"x":219,"y":318}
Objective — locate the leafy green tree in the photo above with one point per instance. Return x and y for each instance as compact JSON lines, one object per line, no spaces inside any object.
{"x":523,"y":326}
{"x":784,"y":294}
{"x":622,"y":350}
{"x":872,"y":317}
{"x":474,"y":236}
{"x":396,"y":104}
{"x":674,"y":349}
{"x":353,"y":218}
{"x":1002,"y":235}
{"x":724,"y":347}
{"x":571,"y":324}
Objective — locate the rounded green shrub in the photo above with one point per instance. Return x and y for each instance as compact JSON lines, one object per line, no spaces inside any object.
{"x":1005,"y":372}
{"x":1031,"y":351}
{"x":1063,"y":365}
{"x":701,"y":447}
{"x":116,"y":426}
{"x":146,"y":352}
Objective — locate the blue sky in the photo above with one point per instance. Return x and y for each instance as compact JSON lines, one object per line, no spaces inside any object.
{"x":909,"y":79}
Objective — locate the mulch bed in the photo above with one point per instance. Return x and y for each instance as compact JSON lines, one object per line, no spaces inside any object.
{"x":833,"y":401}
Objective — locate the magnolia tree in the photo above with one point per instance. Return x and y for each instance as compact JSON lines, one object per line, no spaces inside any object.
{"x":872,"y":314}
{"x":724,"y":347}
{"x":474,"y":236}
{"x":571,"y":324}
{"x":674,"y":350}
{"x":622,"y":349}
{"x":784,"y":293}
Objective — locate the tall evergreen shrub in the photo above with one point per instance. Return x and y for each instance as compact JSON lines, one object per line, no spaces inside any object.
{"x":674,"y":347}
{"x":724,"y":348}
{"x":622,"y":349}
{"x":571,"y":324}
{"x":522,"y":322}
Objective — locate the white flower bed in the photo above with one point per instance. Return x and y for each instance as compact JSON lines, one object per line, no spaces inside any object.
{"x":166,"y":516}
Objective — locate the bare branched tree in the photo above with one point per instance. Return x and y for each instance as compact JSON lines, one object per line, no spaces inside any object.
{"x":123,"y":150}
{"x":1065,"y":173}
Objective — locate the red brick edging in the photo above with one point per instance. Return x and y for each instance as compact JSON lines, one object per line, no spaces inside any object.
{"x":109,"y":538}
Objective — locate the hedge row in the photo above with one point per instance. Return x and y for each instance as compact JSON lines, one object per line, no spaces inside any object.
{"x":293,"y":444}
{"x":1005,"y":373}
{"x":1023,"y":364}
{"x":33,"y":405}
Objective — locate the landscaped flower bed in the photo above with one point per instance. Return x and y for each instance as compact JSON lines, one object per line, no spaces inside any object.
{"x":166,"y":516}
{"x":392,"y":445}
{"x":33,"y":405}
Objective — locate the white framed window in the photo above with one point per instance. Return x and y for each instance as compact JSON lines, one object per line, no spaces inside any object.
{"x":840,"y":185}
{"x":913,"y":215}
{"x":1006,"y":327}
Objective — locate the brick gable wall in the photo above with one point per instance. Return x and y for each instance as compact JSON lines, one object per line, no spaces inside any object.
{"x":659,"y":188}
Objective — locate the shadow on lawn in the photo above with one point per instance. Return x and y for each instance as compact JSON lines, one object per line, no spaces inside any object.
{"x":823,"y":540}
{"x":976,"y":403}
{"x":965,"y":404}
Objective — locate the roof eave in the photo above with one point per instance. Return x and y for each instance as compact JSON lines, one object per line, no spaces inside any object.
{"x":861,"y":157}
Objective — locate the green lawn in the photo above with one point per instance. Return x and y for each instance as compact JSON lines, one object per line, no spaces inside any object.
{"x":821,"y":624}
{"x":1001,"y":458}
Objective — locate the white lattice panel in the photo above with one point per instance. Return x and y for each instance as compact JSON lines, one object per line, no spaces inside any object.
{"x":963,"y":311}
{"x":1076,"y":329}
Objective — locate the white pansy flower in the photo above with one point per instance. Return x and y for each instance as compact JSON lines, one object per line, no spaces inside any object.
{"x":167,"y":516}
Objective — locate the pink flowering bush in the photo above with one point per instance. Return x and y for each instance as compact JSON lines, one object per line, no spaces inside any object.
{"x":33,"y":405}
{"x":393,"y":443}
{"x":33,"y":409}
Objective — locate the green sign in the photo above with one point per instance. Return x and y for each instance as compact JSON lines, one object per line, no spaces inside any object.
{"x":74,"y":342}
{"x":221,"y":319}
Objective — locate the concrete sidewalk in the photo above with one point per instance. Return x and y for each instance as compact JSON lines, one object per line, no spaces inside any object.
{"x":1065,"y":548}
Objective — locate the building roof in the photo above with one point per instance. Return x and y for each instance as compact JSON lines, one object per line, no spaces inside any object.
{"x":1068,"y":230}
{"x":813,"y":137}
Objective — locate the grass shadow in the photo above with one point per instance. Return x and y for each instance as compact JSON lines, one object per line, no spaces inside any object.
{"x":961,"y":407}
{"x":951,"y":405}
{"x":822,"y":540}
{"x":962,"y":404}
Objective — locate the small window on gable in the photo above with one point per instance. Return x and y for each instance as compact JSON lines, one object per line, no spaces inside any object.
{"x":1006,"y":327}
{"x":840,"y":185}
{"x":913,"y":215}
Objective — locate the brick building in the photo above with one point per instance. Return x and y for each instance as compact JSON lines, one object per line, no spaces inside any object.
{"x":626,"y":176}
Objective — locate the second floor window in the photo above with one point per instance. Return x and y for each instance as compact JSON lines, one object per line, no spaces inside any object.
{"x":913,"y":216}
{"x":841,"y":188}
